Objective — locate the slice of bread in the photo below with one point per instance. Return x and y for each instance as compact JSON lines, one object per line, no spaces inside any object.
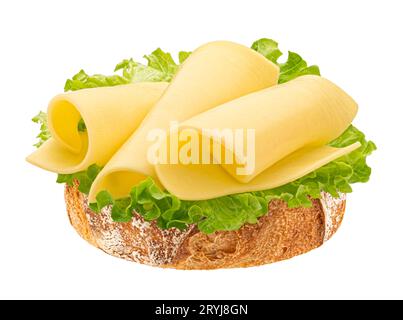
{"x":281,"y":234}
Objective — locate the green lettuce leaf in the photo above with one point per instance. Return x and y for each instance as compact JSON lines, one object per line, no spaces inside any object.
{"x":268,"y":48}
{"x":84,"y":178}
{"x":82,"y":80}
{"x":81,"y":127}
{"x":44,"y":134}
{"x":294,"y":67}
{"x":160,"y":67}
{"x":137,"y":72}
{"x":183,"y":55}
{"x":163,"y":63}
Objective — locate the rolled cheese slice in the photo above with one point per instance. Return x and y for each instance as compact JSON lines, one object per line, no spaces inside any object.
{"x":110,"y":114}
{"x":213,"y":74}
{"x":292,"y":123}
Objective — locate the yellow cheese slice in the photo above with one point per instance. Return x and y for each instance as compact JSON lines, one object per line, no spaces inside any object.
{"x":200,"y":182}
{"x":293,"y":122}
{"x":111,"y":114}
{"x":212,"y":75}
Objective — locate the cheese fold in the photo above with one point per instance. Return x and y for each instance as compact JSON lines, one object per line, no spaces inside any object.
{"x":213,"y":74}
{"x":110,"y":115}
{"x":292,"y":122}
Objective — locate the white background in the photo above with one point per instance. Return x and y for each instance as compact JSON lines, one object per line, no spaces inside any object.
{"x":357,"y":44}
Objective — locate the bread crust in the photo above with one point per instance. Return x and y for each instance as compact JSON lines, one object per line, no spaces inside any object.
{"x":281,"y":234}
